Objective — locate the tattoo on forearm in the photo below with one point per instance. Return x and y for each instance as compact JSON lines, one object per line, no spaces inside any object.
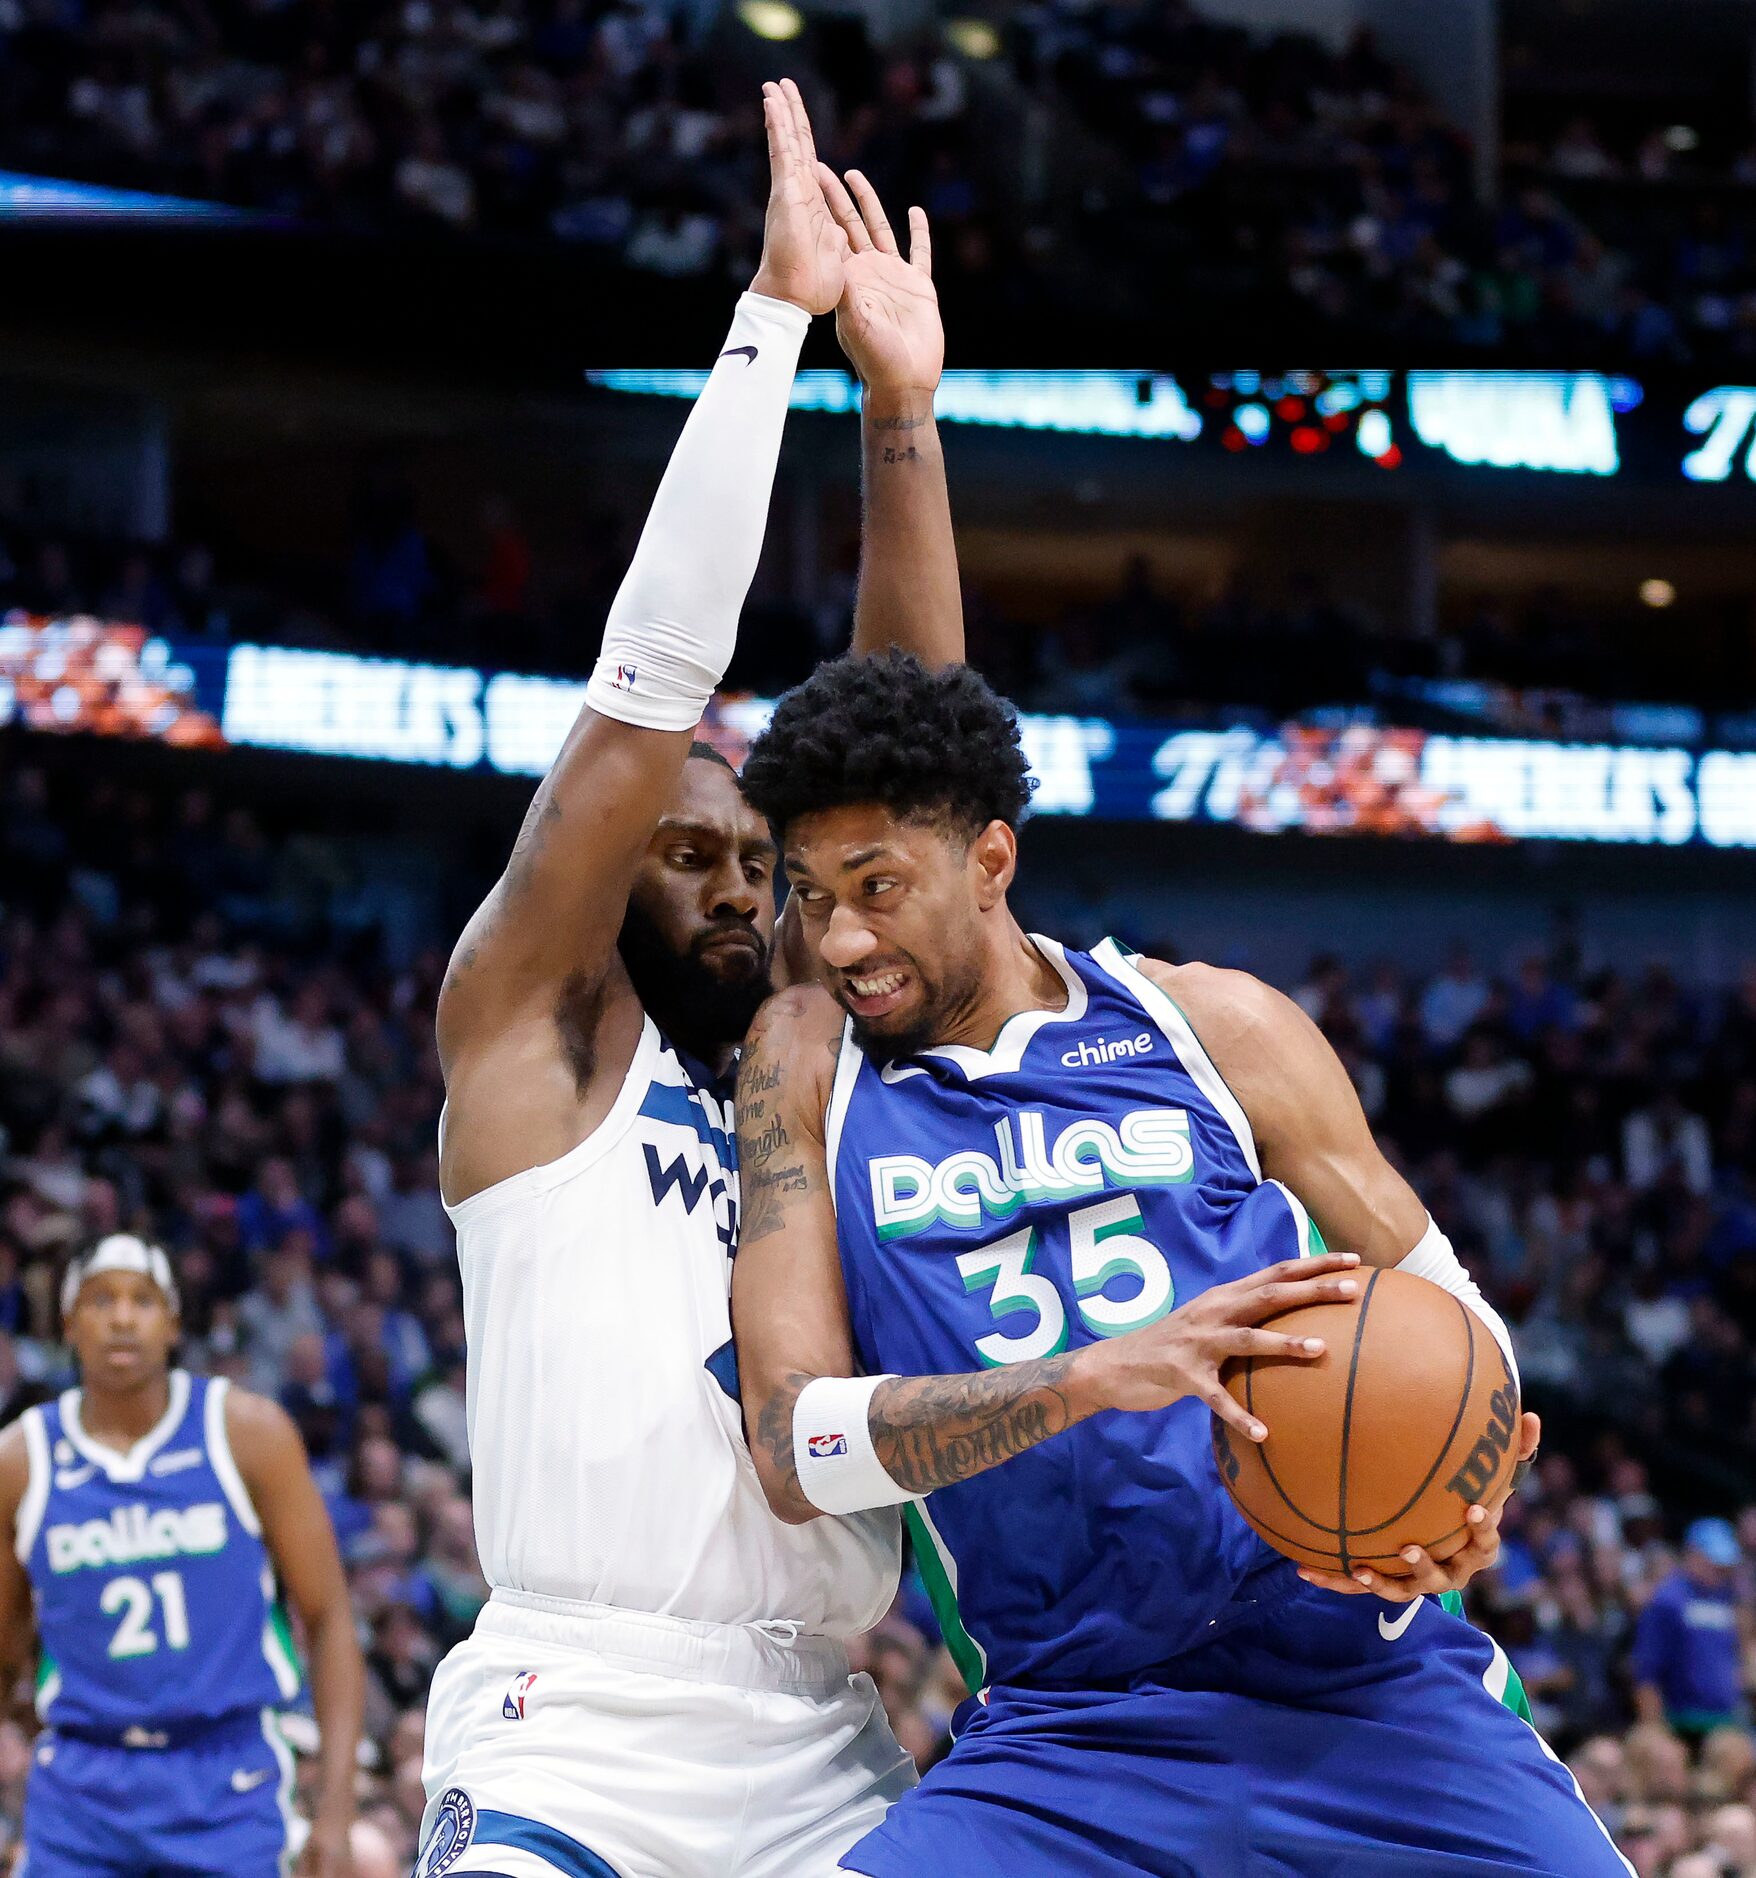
{"x":932,"y":1431}
{"x":895,"y":423}
{"x":774,"y":1433}
{"x":908,"y":455}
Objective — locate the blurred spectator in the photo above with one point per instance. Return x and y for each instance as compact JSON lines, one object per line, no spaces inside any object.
{"x":1664,"y":1141}
{"x":1453,"y":1001}
{"x":1688,"y":1654}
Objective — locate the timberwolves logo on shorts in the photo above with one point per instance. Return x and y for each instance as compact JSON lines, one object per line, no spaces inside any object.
{"x":454,"y":1825}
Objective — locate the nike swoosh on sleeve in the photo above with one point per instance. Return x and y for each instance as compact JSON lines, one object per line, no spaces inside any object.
{"x":1390,"y":1630}
{"x":746,"y":353}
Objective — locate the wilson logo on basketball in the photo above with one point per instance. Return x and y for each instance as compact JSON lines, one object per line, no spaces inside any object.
{"x":1482,"y":1463}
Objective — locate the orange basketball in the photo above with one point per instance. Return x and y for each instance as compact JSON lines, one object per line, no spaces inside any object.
{"x":1408,"y":1418}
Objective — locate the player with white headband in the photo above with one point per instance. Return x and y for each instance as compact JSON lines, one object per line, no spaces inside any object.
{"x":154,"y":1512}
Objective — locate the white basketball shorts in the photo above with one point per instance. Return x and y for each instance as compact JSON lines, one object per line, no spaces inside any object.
{"x":573,"y":1741}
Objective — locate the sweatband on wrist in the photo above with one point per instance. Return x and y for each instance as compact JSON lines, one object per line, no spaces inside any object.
{"x":838,"y":1467}
{"x":1434,"y":1260}
{"x":674,"y":621}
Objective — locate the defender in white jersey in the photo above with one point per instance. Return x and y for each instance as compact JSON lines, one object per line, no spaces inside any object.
{"x":658,"y":1686}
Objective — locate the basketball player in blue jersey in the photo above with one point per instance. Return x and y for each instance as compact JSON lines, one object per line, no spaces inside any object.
{"x":154,"y":1513}
{"x":1008,"y":1208}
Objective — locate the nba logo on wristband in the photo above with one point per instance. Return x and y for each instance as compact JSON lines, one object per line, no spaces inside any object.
{"x":825,"y":1447}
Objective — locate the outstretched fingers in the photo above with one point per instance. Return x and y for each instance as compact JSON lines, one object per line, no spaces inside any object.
{"x":872,"y":212}
{"x":1271,"y":1343}
{"x":805,"y":141}
{"x":1269,"y":1293}
{"x":1232,"y":1412}
{"x":920,"y":242}
{"x":841,"y":206}
{"x":777,"y":121}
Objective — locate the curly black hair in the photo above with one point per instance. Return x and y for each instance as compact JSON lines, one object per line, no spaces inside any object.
{"x":940,"y":745}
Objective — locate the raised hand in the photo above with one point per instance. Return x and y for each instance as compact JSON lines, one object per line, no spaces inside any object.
{"x":804,"y":247}
{"x":888,"y":319}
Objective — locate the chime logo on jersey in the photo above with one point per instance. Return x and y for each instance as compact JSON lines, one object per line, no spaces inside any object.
{"x":133,"y":1533}
{"x":513,"y":1706}
{"x":826,"y":1447}
{"x":1088,"y":1055}
{"x":1147,"y":1148}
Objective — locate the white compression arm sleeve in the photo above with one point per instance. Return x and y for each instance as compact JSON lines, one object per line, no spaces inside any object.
{"x":838,"y":1466}
{"x":1434,"y":1260}
{"x":674,"y":620}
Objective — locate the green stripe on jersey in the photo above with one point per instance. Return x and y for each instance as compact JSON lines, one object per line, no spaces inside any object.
{"x":1512,"y":1695}
{"x":935,"y":1568}
{"x":48,"y":1686}
{"x":282,"y":1653}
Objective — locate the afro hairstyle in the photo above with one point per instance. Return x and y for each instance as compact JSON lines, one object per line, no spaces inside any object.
{"x":932,"y":745}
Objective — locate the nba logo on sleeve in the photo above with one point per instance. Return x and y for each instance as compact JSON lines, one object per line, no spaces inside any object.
{"x":826,"y":1447}
{"x":513,"y":1706}
{"x":624,"y":679}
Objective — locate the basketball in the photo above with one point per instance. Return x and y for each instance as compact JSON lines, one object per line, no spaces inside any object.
{"x":1408,"y":1419}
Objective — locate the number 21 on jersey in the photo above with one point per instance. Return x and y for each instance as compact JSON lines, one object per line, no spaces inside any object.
{"x":1105,"y":1242}
{"x":136,"y":1634}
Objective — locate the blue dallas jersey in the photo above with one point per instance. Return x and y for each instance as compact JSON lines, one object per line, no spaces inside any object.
{"x":1081,"y":1179}
{"x":155,"y":1599}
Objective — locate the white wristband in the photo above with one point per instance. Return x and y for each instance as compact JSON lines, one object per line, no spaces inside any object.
{"x":838,"y":1467}
{"x":1434,"y":1260}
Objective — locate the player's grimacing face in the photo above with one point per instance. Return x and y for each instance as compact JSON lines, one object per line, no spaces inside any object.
{"x":122,"y":1329}
{"x":891,"y":909}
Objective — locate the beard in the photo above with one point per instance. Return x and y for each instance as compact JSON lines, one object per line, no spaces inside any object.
{"x":696,"y":1006}
{"x":943,"y":1002}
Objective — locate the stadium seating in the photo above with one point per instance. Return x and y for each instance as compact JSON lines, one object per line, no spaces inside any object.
{"x":1094,"y":156}
{"x":201,"y":1038}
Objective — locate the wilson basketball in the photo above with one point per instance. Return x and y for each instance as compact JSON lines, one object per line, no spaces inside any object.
{"x":1408,"y":1418}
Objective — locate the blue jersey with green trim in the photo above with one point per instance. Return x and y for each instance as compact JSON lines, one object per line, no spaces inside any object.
{"x":154,"y":1593}
{"x":1081,"y":1179}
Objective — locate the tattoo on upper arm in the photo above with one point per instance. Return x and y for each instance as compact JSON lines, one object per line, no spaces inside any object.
{"x":533,"y":835}
{"x":932,"y":1431}
{"x":772,"y":1170}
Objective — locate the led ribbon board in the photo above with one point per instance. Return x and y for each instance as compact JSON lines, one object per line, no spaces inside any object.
{"x":1582,"y":426}
{"x":1355,"y":779}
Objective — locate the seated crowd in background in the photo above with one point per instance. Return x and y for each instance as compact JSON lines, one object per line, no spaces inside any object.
{"x":204,"y":1039}
{"x":1097,"y":152}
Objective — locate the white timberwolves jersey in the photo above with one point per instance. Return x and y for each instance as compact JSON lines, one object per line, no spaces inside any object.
{"x":607,"y":1450}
